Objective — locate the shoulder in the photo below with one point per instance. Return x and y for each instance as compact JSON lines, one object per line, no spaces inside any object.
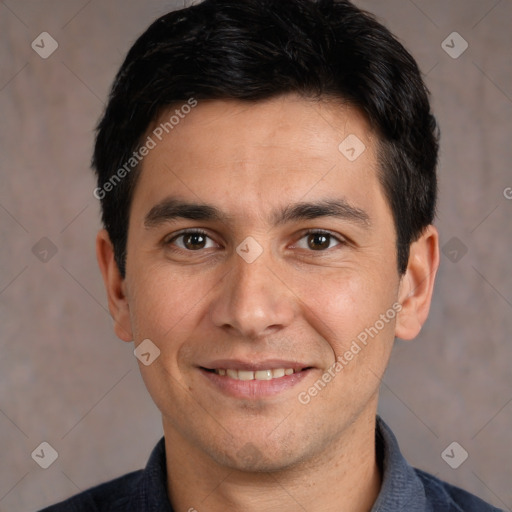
{"x":140,"y":490}
{"x":445,"y":497}
{"x":117,"y":495}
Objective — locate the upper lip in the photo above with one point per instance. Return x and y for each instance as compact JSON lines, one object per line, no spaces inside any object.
{"x":268,"y":364}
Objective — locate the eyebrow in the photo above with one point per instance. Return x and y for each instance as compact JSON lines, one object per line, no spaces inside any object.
{"x":171,"y":209}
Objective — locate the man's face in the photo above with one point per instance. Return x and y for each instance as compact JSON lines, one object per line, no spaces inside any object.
{"x":270,"y":284}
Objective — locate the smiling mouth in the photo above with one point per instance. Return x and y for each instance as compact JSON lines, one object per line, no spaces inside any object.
{"x":245,"y":375}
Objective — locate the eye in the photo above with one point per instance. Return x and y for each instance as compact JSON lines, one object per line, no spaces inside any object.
{"x":193,"y":240}
{"x":319,"y":240}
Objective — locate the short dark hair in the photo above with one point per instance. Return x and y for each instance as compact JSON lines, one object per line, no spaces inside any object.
{"x":253,"y":50}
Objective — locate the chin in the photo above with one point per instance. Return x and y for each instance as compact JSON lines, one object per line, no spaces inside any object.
{"x":260,"y":457}
{"x":256,"y":462}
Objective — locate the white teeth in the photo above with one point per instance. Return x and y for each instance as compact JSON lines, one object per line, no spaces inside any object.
{"x":257,"y":375}
{"x":262,"y":375}
{"x":245,"y":375}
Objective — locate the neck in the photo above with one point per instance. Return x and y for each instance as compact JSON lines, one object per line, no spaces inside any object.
{"x":344,"y":477}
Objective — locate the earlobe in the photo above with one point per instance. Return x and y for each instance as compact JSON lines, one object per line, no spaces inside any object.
{"x":417,"y":284}
{"x":115,"y":286}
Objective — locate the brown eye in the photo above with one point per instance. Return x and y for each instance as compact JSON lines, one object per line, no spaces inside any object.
{"x":318,"y":241}
{"x":192,"y":241}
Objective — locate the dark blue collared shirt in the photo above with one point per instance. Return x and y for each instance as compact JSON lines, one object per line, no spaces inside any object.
{"x":404,"y":489}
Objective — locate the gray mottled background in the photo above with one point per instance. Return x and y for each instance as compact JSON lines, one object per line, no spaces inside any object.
{"x":64,"y":377}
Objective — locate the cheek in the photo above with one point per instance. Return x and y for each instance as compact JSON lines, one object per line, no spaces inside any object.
{"x":163,"y":304}
{"x":164,"y":308}
{"x":348,"y":307}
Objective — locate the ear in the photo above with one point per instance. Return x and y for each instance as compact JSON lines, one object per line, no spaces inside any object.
{"x":417,"y":284}
{"x":115,"y":285}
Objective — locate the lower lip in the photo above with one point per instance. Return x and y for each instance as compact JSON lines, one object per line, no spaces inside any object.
{"x":254,"y":388}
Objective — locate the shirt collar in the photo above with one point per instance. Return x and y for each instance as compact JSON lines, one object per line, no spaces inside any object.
{"x":154,"y":483}
{"x":402,"y":489}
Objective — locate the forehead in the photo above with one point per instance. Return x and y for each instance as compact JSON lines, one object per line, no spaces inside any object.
{"x":250,"y":156}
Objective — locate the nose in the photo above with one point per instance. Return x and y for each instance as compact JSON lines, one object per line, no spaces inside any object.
{"x":253,"y":299}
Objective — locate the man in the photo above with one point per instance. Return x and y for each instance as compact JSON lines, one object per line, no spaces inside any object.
{"x":266,"y":170}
